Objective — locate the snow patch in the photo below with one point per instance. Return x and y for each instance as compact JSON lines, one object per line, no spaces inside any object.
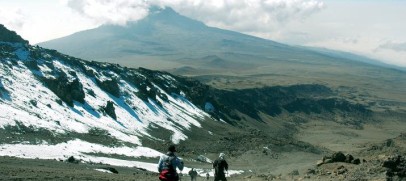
{"x":76,"y":148}
{"x":103,"y":170}
{"x":81,"y":150}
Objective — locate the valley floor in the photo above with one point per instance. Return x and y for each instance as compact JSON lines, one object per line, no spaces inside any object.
{"x":374,"y":145}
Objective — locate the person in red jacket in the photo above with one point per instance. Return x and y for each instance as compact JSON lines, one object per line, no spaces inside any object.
{"x":167,"y":165}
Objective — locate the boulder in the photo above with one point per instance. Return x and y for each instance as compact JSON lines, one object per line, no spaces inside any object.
{"x":396,"y":167}
{"x":356,"y":161}
{"x":338,"y":157}
{"x":391,"y":164}
{"x":319,"y":163}
{"x":33,"y":102}
{"x":72,"y":159}
{"x":110,"y":110}
{"x":349,"y":158}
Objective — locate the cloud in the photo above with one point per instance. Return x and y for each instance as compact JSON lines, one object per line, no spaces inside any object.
{"x":398,"y":47}
{"x":389,"y":52}
{"x":110,"y":11}
{"x":12,"y":18}
{"x":244,"y":16}
{"x":250,"y":16}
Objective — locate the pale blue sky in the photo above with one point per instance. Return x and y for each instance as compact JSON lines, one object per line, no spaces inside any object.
{"x":369,"y":27}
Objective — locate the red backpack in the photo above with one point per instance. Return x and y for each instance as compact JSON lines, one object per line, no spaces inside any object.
{"x":169,"y":172}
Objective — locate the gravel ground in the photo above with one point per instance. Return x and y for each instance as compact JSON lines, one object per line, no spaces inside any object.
{"x":34,"y":169}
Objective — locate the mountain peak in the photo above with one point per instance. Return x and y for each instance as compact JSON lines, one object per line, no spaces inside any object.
{"x":7,"y":35}
{"x":162,"y":10}
{"x":170,"y":16}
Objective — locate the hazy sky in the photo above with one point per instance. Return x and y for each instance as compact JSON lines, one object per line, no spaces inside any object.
{"x":375,"y":28}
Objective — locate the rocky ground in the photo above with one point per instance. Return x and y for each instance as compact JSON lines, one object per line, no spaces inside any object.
{"x":379,"y":161}
{"x":35,"y":169}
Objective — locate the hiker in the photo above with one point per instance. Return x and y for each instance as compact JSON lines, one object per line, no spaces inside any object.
{"x":207,"y":176}
{"x":167,"y":165}
{"x":193,"y":174}
{"x":220,"y":165}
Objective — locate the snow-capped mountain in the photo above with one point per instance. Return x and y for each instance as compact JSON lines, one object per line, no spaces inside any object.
{"x":45,"y":89}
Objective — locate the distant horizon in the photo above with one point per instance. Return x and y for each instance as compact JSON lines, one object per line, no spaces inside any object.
{"x":367,"y":28}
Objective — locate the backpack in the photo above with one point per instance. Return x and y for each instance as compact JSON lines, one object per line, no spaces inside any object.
{"x":168,"y":172}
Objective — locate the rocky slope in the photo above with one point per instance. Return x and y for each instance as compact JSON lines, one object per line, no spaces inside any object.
{"x":54,"y":106}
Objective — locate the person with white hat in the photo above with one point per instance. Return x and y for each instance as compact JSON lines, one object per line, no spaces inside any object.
{"x":220,"y":166}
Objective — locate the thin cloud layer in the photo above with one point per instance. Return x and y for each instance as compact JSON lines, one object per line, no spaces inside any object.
{"x":246,"y":16}
{"x":399,"y":47}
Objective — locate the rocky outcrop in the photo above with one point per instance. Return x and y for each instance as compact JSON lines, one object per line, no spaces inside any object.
{"x":10,"y":36}
{"x":339,"y":157}
{"x":68,"y":91}
{"x":110,"y":110}
{"x":396,"y":167}
{"x":110,"y":86}
{"x":147,"y":91}
{"x":31,"y":64}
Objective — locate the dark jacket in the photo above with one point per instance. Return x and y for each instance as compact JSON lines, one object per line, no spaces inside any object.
{"x":220,"y":165}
